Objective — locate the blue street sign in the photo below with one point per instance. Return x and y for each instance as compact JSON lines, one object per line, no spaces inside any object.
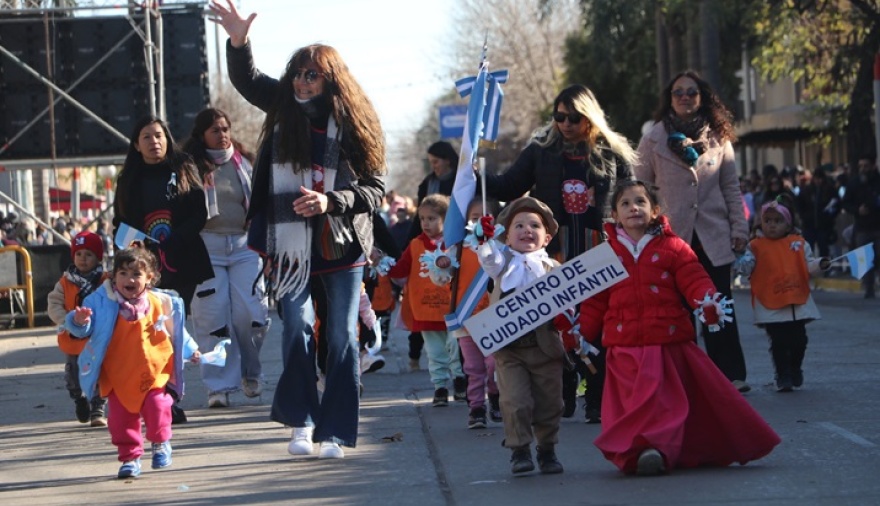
{"x":452,"y":119}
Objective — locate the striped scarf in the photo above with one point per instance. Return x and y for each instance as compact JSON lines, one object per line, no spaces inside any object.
{"x":288,"y":235}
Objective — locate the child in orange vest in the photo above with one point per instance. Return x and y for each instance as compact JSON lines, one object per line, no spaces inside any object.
{"x":429,"y":303}
{"x":81,"y":278}
{"x":480,"y":370}
{"x":136,"y":348}
{"x":779,"y":264}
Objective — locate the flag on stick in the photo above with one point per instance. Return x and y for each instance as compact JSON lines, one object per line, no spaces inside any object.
{"x":481,"y":122}
{"x":860,"y":260}
{"x":125,"y":234}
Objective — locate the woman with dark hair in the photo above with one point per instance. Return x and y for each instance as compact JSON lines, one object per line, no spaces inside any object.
{"x":229,"y":305}
{"x":316,"y":185}
{"x":572,"y":164}
{"x":688,"y":155}
{"x":443,"y":160}
{"x":159,"y":192}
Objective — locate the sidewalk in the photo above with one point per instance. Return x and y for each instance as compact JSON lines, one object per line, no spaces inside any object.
{"x":410,"y":453}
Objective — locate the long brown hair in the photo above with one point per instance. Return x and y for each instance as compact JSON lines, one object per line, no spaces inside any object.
{"x":363,"y":143}
{"x":718,"y":116}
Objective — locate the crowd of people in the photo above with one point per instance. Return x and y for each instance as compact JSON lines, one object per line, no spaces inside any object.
{"x":308,"y":222}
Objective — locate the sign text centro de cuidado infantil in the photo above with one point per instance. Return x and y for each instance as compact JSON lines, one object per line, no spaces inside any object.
{"x":530,"y":306}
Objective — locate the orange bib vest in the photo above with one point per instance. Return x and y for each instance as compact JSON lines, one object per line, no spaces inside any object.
{"x":139,"y":358}
{"x":429,"y":302}
{"x":67,"y":343}
{"x":470,"y":265}
{"x":781,"y":277}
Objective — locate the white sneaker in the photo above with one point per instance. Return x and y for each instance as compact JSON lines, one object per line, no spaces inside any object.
{"x":371,"y":363}
{"x":301,"y":441}
{"x":330,"y":451}
{"x":218,"y":400}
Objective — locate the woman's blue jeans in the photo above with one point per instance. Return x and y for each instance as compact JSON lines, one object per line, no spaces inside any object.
{"x":296,"y":404}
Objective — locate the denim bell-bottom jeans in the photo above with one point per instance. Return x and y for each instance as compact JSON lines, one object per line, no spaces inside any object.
{"x":335,"y":414}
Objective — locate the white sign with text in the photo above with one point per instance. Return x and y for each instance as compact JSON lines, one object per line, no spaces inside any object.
{"x":540,"y":301}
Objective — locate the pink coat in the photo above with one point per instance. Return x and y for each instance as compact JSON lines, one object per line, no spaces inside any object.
{"x":705,"y":198}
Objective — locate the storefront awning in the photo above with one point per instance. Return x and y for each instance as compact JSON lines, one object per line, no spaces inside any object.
{"x":59,"y":201}
{"x":777,"y":127}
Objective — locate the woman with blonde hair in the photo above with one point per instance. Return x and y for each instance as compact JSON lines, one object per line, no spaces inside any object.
{"x":572,"y":164}
{"x":315,"y":189}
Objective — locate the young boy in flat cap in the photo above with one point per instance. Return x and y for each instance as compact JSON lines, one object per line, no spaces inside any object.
{"x":529,"y":370}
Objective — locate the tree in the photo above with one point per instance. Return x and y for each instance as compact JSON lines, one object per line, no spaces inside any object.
{"x":247,"y":120}
{"x":828,"y":47}
{"x":628,"y":51}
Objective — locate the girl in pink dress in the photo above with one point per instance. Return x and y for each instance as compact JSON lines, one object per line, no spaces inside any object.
{"x":665,"y":403}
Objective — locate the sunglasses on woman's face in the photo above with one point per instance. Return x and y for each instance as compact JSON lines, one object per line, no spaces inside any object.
{"x":573,"y":117}
{"x":690,"y":92}
{"x":310,"y":75}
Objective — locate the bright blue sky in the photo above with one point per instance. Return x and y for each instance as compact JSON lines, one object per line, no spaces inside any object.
{"x":396,"y":49}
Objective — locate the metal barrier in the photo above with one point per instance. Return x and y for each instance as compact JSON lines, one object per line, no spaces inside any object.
{"x":14,"y":290}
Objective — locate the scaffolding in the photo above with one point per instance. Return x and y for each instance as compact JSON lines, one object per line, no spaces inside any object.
{"x":12,"y":11}
{"x":145,"y":19}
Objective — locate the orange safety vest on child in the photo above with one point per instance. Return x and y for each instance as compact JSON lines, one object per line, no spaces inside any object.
{"x":68,"y":344}
{"x":470,"y":265}
{"x":383,"y":300}
{"x":428,"y":302}
{"x":139,"y":358}
{"x":781,"y":276}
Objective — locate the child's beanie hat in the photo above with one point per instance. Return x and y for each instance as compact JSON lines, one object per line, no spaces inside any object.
{"x":87,"y":240}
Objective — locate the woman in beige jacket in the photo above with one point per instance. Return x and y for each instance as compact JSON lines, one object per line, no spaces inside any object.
{"x":688,"y":155}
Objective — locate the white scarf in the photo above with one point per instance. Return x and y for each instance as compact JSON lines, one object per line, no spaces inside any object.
{"x":524,"y":268}
{"x":290,"y":236}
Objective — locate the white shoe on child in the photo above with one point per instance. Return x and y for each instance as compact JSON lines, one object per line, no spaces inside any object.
{"x":330,"y":450}
{"x":301,"y":441}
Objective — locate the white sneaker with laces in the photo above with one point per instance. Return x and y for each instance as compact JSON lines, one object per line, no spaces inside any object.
{"x":330,"y":450}
{"x":301,"y":441}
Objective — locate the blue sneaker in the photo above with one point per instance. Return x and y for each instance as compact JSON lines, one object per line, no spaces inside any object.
{"x":161,"y":455}
{"x":130,"y":469}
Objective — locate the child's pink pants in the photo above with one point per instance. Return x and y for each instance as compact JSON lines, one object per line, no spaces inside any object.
{"x":125,"y":427}
{"x":480,"y":371}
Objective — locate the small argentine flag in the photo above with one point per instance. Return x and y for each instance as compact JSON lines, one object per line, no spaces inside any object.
{"x":861,"y":260}
{"x":125,"y":234}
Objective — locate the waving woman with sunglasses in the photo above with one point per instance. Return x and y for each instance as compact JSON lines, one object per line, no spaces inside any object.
{"x":572,"y":164}
{"x":316,"y":184}
{"x":688,"y":154}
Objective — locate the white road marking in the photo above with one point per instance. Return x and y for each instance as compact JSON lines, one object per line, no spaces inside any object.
{"x":840,"y":431}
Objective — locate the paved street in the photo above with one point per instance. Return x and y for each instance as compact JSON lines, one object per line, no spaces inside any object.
{"x":830,"y":429}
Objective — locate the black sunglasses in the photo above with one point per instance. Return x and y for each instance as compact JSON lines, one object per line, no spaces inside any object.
{"x":573,"y":117}
{"x":691,"y":92}
{"x":309,"y":75}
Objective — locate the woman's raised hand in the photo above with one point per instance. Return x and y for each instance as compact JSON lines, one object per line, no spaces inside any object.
{"x":228,"y":17}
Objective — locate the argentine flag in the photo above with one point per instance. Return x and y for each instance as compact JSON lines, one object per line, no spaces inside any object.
{"x":861,"y":260}
{"x":465,"y":186}
{"x":125,"y":234}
